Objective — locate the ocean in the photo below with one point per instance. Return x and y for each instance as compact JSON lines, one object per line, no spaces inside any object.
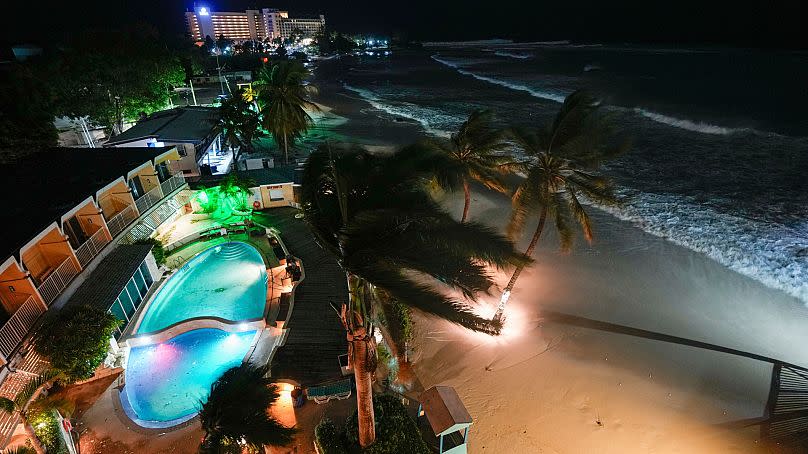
{"x":719,"y":162}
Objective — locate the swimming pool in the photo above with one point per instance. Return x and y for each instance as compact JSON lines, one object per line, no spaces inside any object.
{"x":227,"y":281}
{"x":166,"y":382}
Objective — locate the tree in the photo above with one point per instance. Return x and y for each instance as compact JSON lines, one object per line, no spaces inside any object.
{"x":27,"y":403}
{"x":562,"y":159}
{"x":237,"y":413}
{"x":113,"y":76}
{"x":19,"y":450}
{"x":474,"y":152}
{"x":76,"y":340}
{"x":283,"y":97}
{"x":375,"y":215}
{"x":26,"y":111}
{"x":238,"y":124}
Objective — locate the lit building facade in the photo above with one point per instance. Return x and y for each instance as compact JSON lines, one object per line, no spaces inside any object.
{"x":252,"y":24}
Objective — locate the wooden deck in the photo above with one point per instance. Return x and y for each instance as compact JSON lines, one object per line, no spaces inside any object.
{"x":316,"y":337}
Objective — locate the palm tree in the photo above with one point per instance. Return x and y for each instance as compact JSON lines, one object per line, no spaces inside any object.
{"x":238,"y":124}
{"x":283,"y":96}
{"x":395,"y":243}
{"x":562,"y":159}
{"x":474,"y":152}
{"x":19,"y":450}
{"x":236,"y":413}
{"x":25,"y":402}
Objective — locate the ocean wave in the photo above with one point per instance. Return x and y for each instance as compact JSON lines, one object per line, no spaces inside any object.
{"x":405,"y":110}
{"x":479,"y":42}
{"x":690,"y":125}
{"x":773,"y":254}
{"x":532,"y":91}
{"x":512,"y":55}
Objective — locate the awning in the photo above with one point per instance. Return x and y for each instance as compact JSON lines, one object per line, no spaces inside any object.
{"x":170,"y":155}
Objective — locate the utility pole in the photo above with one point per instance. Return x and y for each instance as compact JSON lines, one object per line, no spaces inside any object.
{"x":193,"y":94}
{"x":219,"y":67}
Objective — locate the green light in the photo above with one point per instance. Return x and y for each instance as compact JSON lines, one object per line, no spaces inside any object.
{"x":225,"y":202}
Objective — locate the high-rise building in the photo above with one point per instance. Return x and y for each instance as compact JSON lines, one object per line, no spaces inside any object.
{"x":252,"y":24}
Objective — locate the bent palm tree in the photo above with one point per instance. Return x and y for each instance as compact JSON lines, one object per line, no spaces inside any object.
{"x":237,"y":413}
{"x":472,"y":153}
{"x":26,"y":400}
{"x":238,"y":124}
{"x":395,"y":243}
{"x":283,"y":97}
{"x":562,"y":158}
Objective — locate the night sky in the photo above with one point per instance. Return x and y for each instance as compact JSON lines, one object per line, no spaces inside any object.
{"x":757,"y":23}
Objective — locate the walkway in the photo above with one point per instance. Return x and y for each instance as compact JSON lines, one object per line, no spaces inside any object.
{"x":316,"y":337}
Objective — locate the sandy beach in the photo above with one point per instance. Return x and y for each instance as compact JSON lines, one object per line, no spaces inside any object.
{"x":546,"y":386}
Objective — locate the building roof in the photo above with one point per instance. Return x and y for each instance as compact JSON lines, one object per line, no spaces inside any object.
{"x":444,"y":409}
{"x":192,"y":124}
{"x":104,"y":284}
{"x":40,"y":187}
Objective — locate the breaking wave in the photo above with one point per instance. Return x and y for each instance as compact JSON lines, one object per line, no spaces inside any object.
{"x":430,"y":120}
{"x":773,"y":254}
{"x":695,"y":126}
{"x":532,"y":91}
{"x":512,"y":55}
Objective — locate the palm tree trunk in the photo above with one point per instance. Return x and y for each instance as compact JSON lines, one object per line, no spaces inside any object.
{"x":467,"y":202}
{"x":506,"y":294}
{"x":285,"y":148}
{"x":364,"y":388}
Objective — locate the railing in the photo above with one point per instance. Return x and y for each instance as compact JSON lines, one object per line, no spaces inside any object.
{"x":91,"y":247}
{"x":17,"y":327}
{"x":172,"y":183}
{"x":117,"y":223}
{"x":58,"y":280}
{"x":148,"y":199}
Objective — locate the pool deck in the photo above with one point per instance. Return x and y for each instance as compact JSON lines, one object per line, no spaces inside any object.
{"x":316,"y":338}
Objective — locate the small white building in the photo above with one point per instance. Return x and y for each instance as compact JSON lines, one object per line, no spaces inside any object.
{"x":447,"y":417}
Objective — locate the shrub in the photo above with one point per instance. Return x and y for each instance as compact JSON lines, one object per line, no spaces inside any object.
{"x":76,"y":340}
{"x":158,"y":250}
{"x":329,"y":439}
{"x":46,"y":428}
{"x":396,"y":432}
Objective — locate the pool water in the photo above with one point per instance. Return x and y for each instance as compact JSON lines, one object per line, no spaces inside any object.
{"x":166,"y":382}
{"x":228,"y":281}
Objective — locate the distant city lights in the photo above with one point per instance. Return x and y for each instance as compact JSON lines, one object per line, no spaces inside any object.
{"x":203,"y":11}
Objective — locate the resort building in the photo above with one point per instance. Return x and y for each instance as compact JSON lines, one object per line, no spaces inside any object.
{"x":74,"y":221}
{"x":252,"y":24}
{"x":191,"y":129}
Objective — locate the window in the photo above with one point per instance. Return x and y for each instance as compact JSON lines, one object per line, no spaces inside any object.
{"x":275,"y":194}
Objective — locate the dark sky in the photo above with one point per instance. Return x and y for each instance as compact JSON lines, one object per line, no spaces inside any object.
{"x":757,"y":23}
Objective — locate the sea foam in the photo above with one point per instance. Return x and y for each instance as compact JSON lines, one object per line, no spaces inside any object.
{"x":689,"y":125}
{"x":502,"y":53}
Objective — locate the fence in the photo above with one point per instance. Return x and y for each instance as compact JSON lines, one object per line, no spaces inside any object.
{"x":117,"y":223}
{"x":58,"y":280}
{"x":17,"y":327}
{"x":91,"y":247}
{"x":148,"y":199}
{"x":172,"y":183}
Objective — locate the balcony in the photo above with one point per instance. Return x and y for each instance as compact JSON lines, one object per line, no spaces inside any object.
{"x":56,"y":281}
{"x":17,"y":327}
{"x":172,"y":184}
{"x":92,"y":247}
{"x":117,"y":223}
{"x":148,"y":199}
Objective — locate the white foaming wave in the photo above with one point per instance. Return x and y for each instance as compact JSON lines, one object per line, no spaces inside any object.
{"x":695,"y":126}
{"x":399,"y":111}
{"x":773,"y":254}
{"x":532,"y":91}
{"x":479,"y":42}
{"x":512,"y":55}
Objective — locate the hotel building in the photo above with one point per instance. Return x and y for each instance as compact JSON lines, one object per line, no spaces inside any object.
{"x":73,"y":218}
{"x":252,"y":24}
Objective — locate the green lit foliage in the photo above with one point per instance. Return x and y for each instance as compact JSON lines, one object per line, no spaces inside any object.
{"x":46,"y":427}
{"x":158,"y":250}
{"x":231,"y":198}
{"x":133,"y":65}
{"x":330,"y":440}
{"x":235,"y":415}
{"x":76,"y":340}
{"x":396,"y":432}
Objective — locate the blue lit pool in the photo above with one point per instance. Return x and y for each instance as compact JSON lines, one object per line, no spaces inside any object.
{"x":228,"y":281}
{"x":166,"y":382}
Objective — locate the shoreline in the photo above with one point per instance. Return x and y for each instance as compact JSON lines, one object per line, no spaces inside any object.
{"x":629,"y":277}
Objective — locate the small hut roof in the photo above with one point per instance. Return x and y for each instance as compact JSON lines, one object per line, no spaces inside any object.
{"x":444,"y":409}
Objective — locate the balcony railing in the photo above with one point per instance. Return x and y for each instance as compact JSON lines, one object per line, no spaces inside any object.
{"x":92,"y":247}
{"x":17,"y":327}
{"x":148,"y":199}
{"x":53,"y":285}
{"x":117,"y":223}
{"x":172,"y":183}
